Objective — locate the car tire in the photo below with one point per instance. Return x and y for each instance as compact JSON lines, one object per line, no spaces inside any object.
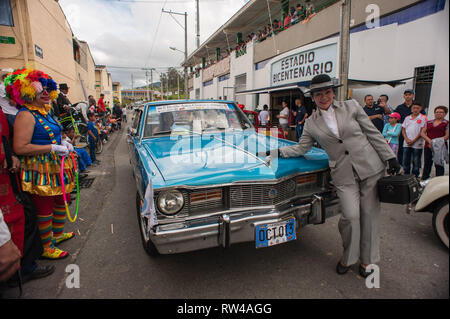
{"x":148,"y":245}
{"x":440,"y":221}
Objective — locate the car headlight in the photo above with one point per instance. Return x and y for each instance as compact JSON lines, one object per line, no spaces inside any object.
{"x":170,"y":202}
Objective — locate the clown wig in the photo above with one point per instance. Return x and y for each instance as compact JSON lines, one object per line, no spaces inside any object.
{"x":22,"y":86}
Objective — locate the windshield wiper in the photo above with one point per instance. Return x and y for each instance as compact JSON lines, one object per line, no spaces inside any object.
{"x":162,"y":132}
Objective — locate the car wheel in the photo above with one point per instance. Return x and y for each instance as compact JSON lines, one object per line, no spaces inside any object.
{"x":149,"y":247}
{"x":440,"y":221}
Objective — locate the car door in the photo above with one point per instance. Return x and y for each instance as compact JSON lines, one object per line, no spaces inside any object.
{"x":133,"y":137}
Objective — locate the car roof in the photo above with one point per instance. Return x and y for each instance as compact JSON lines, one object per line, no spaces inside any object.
{"x":186,"y":101}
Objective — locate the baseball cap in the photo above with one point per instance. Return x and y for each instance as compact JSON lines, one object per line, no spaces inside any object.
{"x":396,"y":115}
{"x":411,"y":91}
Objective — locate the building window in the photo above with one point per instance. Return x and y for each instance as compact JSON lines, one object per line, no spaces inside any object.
{"x":207,"y":83}
{"x":76,"y":52}
{"x":224,"y":77}
{"x":6,"y":17}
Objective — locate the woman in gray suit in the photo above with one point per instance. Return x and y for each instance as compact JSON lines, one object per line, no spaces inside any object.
{"x":357,"y":155}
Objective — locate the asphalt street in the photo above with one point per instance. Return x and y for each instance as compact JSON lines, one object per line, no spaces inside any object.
{"x":113,"y":263}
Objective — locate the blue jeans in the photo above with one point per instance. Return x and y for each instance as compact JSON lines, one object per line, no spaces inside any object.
{"x":298,"y":131}
{"x":92,"y":148}
{"x":415,"y":155}
{"x":84,"y":159}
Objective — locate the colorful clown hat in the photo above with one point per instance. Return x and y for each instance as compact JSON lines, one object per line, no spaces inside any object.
{"x":22,"y":85}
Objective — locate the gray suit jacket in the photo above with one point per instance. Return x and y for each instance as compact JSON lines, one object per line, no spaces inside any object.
{"x":360,"y":146}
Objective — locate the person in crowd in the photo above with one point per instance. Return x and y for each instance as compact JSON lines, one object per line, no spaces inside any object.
{"x":84,"y":160}
{"x":300,"y":117}
{"x":357,"y":155}
{"x":37,"y":140}
{"x":392,"y":131}
{"x":404,"y":110}
{"x":434,"y":130}
{"x":383,"y":103}
{"x":301,"y":12}
{"x":117,"y":112}
{"x":103,"y":130}
{"x":374,"y":112}
{"x":15,"y":217}
{"x":62,"y":102}
{"x":413,"y":141}
{"x":124,"y":114}
{"x":8,"y":106}
{"x":101,"y":108}
{"x":264,"y":116}
{"x":287,"y":21}
{"x":92,"y":103}
{"x":93,"y":137}
{"x":309,"y":11}
{"x":294,"y":15}
{"x":9,"y":253}
{"x":283,"y":117}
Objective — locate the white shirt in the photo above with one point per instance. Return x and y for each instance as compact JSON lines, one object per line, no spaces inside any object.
{"x":5,"y":236}
{"x":263,"y":117}
{"x":329,"y":117}
{"x":284,"y":112}
{"x":4,"y":102}
{"x":413,"y":128}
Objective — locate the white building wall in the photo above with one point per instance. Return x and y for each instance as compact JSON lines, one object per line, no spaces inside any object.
{"x":394,"y":51}
{"x":386,"y":53}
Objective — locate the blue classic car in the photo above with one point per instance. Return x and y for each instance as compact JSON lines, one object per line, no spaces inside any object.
{"x":201,"y":185}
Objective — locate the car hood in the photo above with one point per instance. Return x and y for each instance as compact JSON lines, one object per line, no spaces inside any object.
{"x":219,"y":158}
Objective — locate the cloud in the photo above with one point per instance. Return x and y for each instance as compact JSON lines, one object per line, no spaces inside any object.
{"x":123,"y":33}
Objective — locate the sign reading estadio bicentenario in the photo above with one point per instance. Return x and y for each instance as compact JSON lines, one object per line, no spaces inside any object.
{"x":304,"y":65}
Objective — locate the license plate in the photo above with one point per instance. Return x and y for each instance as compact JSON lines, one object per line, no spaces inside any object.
{"x":276,"y":233}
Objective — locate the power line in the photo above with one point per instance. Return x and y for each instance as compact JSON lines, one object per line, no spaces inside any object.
{"x":142,"y":67}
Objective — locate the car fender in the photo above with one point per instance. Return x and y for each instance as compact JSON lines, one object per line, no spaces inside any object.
{"x":436,"y":188}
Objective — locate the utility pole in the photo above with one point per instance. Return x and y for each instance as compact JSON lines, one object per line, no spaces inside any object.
{"x":185,"y":48}
{"x":178,"y":81}
{"x":344,"y":48}
{"x":151,"y":80}
{"x":185,"y":57}
{"x":146,"y":85}
{"x":132,"y":87}
{"x":198,"y":24}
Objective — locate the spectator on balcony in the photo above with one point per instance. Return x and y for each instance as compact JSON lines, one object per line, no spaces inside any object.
{"x":301,"y":12}
{"x":287,"y":21}
{"x":310,"y":10}
{"x":294,"y":15}
{"x":276,"y":26}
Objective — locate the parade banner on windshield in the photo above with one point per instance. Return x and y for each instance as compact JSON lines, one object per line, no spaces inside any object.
{"x":305,"y":65}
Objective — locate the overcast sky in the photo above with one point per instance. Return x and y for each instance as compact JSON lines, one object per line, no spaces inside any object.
{"x":127,"y":32}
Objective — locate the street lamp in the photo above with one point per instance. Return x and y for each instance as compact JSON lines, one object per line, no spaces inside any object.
{"x":186,"y":94}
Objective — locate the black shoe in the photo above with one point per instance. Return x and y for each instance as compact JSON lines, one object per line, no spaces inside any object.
{"x":39,"y":272}
{"x":82,"y":175}
{"x":363,"y":273}
{"x":340,"y":269}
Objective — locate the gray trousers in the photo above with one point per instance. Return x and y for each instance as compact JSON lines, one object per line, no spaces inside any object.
{"x":360,"y":221}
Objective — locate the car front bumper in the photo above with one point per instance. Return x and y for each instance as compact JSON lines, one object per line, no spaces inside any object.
{"x":231,"y":227}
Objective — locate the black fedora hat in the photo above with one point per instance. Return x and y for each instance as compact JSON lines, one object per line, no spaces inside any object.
{"x":320,"y":82}
{"x":63,"y":86}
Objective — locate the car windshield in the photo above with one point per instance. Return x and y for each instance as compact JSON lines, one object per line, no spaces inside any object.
{"x":189,"y":118}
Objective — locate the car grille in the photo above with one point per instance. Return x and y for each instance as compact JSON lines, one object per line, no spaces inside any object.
{"x":261,"y":195}
{"x":248,"y":195}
